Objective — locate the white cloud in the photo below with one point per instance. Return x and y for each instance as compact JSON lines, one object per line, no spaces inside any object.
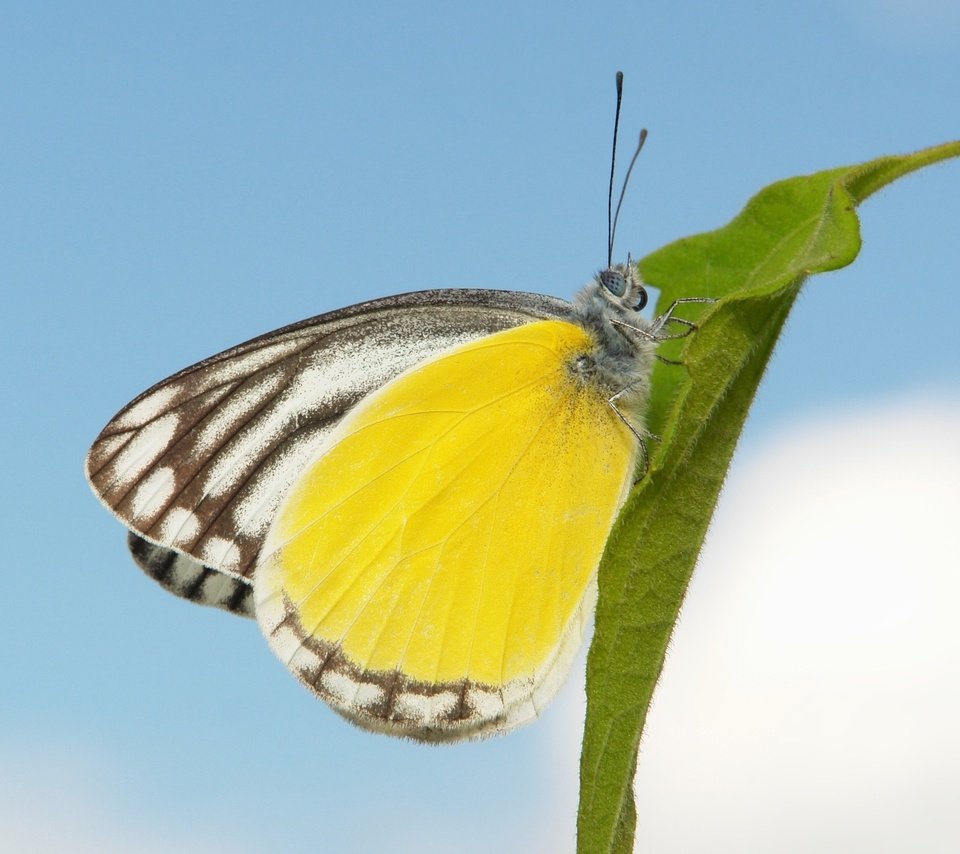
{"x":810,"y":699}
{"x":56,"y":799}
{"x":924,"y":23}
{"x":811,"y":696}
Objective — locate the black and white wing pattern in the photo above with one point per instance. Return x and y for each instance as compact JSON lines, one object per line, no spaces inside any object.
{"x":196,"y":466}
{"x":188,"y":578}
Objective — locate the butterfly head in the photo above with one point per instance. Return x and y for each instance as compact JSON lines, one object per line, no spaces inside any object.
{"x":622,"y":286}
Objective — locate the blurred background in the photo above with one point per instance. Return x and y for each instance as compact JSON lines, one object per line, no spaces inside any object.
{"x":176,"y":178}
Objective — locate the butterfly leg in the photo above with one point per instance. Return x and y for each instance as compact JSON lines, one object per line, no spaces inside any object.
{"x":666,"y":361}
{"x":641,"y":435}
{"x":655,"y":332}
{"x":667,"y":317}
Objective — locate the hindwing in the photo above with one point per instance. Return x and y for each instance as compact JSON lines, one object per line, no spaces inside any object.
{"x":430,"y":572}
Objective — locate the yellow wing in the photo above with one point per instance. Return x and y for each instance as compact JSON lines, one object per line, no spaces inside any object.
{"x":428,"y":573}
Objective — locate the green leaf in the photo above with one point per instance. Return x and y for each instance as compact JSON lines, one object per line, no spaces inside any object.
{"x":754,"y":267}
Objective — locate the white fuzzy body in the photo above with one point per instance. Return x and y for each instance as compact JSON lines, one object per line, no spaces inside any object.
{"x":626,"y":345}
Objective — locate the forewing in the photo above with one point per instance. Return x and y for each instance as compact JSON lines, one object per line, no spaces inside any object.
{"x":189,"y":579}
{"x":198,"y":464}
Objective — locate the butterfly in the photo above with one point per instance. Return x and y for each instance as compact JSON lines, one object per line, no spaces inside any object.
{"x":411,"y":495}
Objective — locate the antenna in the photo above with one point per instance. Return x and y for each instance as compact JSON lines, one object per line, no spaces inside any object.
{"x":612,"y":217}
{"x":623,"y":192}
{"x":613,"y":165}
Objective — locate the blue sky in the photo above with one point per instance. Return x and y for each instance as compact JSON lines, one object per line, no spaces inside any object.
{"x":176,"y":178}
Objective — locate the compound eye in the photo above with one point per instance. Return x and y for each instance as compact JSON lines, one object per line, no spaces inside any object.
{"x":614,"y":281}
{"x":641,"y":300}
